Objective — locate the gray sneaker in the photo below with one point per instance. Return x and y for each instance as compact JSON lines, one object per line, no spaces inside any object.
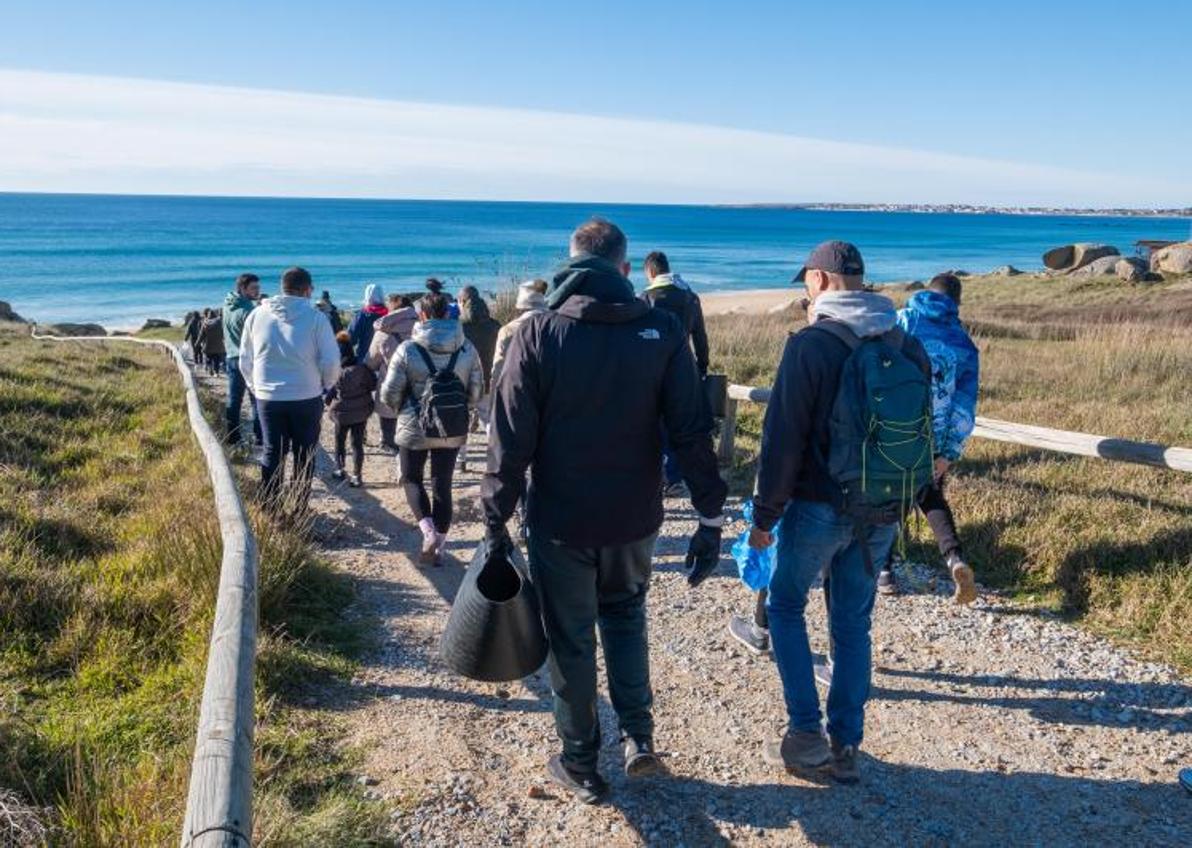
{"x":749,"y":634}
{"x":845,"y":767}
{"x":886,"y":583}
{"x":800,"y":750}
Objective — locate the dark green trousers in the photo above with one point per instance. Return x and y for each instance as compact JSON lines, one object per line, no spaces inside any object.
{"x":580,"y":589}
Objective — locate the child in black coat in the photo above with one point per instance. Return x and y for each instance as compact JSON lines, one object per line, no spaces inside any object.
{"x":350,"y":403}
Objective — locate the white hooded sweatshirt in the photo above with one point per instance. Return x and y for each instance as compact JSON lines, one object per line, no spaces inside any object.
{"x":288,"y":350}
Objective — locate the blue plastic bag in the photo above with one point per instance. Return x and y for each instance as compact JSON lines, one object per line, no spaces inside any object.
{"x":755,"y":567}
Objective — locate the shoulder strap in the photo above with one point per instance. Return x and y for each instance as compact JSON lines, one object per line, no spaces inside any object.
{"x":454,"y":358}
{"x":430,"y":365}
{"x":895,"y":338}
{"x":840,"y":330}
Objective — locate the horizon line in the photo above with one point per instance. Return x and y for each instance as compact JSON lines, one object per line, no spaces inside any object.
{"x":806,"y":206}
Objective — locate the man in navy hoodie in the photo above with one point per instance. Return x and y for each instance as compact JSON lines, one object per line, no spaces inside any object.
{"x":794,"y":487}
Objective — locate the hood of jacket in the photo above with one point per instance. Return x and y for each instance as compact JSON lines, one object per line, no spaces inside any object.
{"x":592,"y":277}
{"x":398,"y":322}
{"x":865,"y":313}
{"x":663,"y":280}
{"x":287,"y":307}
{"x":473,"y":309}
{"x":934,"y":306}
{"x":235,"y":300}
{"x":439,"y":335}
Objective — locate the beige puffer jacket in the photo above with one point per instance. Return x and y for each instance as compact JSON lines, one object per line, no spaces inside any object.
{"x":407,"y":377}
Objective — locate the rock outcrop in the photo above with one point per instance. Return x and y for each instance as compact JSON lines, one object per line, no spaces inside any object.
{"x":76,"y":330}
{"x":1072,"y":257}
{"x":1101,"y":267}
{"x":1173,"y":259}
{"x":1005,"y":271}
{"x":6,"y":314}
{"x":155,"y":324}
{"x":1130,"y":269}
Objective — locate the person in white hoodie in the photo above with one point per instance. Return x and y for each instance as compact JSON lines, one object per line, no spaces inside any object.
{"x":289,"y":357}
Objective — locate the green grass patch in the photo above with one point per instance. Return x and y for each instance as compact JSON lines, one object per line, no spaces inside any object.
{"x":1105,"y":543}
{"x":109,"y":562}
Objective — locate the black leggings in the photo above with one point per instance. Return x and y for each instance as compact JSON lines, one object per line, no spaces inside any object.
{"x":341,"y":442}
{"x":442,"y":470}
{"x":935,"y":507}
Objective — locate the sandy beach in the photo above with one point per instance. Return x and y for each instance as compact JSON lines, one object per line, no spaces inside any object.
{"x":751,"y":301}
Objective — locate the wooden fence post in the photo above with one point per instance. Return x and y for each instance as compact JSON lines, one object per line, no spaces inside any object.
{"x":728,"y":429}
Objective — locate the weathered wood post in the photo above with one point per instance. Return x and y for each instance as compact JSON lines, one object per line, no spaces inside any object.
{"x":728,"y":429}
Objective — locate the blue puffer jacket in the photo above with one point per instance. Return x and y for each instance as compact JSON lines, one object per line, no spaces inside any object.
{"x":933,"y":319}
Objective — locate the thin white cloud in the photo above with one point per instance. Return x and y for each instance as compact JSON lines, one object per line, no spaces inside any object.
{"x":61,"y":132}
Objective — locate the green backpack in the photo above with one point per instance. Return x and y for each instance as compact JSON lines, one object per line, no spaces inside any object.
{"x":880,"y":434}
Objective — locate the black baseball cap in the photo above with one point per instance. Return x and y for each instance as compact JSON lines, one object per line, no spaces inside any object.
{"x":835,"y":257}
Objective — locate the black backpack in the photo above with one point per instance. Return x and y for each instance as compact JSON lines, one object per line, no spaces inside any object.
{"x":443,"y":408}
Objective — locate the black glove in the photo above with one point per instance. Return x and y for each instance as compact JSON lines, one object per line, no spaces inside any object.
{"x":497,"y":539}
{"x":703,"y":554}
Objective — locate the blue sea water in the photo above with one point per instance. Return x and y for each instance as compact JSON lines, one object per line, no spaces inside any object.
{"x":117,"y":260}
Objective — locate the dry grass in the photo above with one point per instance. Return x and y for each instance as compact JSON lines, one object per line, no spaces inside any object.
{"x":1106,"y":543}
{"x":109,"y":559}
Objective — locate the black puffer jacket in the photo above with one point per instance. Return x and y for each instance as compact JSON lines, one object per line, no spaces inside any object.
{"x":351,"y":401}
{"x":583,"y":388}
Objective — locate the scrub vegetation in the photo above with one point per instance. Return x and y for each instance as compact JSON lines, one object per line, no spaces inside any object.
{"x":109,"y":560}
{"x":1105,"y":543}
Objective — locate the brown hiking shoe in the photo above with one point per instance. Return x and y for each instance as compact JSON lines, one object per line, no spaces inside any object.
{"x":845,"y":766}
{"x":966,"y":585}
{"x":799,"y":750}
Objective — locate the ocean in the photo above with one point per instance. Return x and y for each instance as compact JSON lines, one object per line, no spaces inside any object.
{"x":117,"y":260}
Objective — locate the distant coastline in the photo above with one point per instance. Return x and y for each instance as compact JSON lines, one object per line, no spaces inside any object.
{"x":970,"y":209}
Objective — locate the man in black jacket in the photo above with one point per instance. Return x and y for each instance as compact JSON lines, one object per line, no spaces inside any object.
{"x":670,"y":293}
{"x":583,"y":387}
{"x":795,"y":487}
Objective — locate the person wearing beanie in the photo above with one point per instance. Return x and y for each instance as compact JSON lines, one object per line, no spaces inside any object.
{"x":350,"y":403}
{"x":531,"y":298}
{"x":360,"y":331}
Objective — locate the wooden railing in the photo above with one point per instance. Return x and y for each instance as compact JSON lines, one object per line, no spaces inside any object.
{"x":219,"y":801}
{"x":1062,"y":441}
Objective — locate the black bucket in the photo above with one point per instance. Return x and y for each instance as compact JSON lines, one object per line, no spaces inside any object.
{"x":494,"y":632}
{"x":716,"y":389}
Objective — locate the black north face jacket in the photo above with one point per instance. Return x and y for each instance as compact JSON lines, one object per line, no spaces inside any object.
{"x":579,"y":401}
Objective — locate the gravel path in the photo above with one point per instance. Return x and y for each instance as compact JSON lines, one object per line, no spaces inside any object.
{"x":988,"y":725}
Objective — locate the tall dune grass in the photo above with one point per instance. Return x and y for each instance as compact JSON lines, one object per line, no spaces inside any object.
{"x":109,"y":562}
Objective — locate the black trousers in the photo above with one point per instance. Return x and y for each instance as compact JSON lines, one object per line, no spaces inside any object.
{"x":442,"y":470}
{"x":388,"y":431}
{"x":215,"y":363}
{"x":289,"y":427}
{"x":934,"y":507}
{"x":580,"y":589}
{"x":356,"y":431}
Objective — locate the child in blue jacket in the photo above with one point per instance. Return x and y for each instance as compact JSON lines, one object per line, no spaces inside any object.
{"x":933,"y":317}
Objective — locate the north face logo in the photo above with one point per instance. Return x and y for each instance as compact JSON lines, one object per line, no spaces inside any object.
{"x":651,"y":334}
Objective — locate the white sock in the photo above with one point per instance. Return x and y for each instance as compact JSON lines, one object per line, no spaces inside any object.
{"x":427,"y":526}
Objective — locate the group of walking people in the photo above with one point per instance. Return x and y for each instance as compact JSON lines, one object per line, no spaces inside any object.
{"x":596,"y":409}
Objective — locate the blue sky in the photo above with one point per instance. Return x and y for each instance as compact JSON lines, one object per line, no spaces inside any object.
{"x":1093,"y":88}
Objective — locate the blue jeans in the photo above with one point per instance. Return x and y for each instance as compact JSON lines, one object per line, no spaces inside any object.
{"x":289,"y":426}
{"x":814,"y":537}
{"x":237,"y":389}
